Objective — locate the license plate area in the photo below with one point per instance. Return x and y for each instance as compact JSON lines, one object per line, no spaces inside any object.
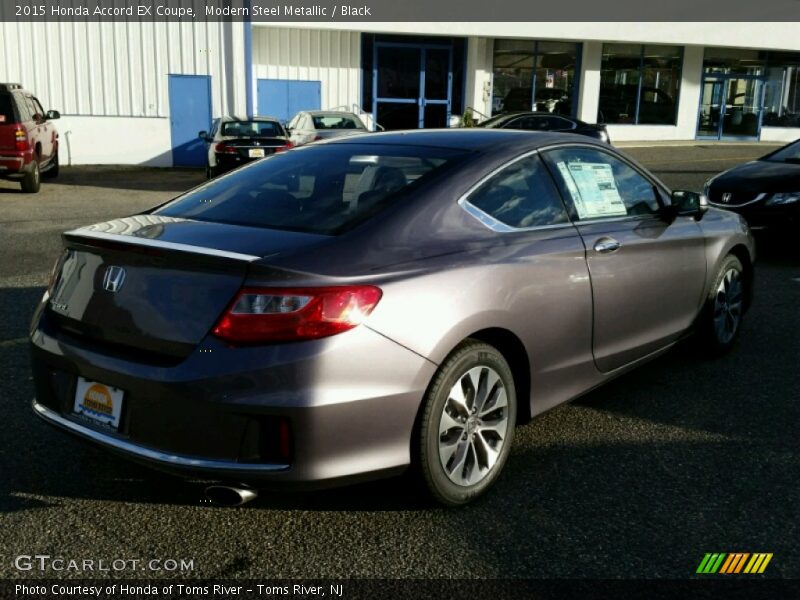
{"x":98,"y":403}
{"x":256,"y":153}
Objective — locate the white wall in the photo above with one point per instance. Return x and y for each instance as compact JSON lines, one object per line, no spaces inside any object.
{"x":479,"y":75}
{"x":589,"y":88}
{"x":780,"y":134}
{"x":331,"y":57}
{"x":782,"y":35}
{"x":114,"y":141}
{"x":118,"y":72}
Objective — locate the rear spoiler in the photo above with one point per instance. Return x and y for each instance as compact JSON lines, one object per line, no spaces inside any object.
{"x":142,"y":245}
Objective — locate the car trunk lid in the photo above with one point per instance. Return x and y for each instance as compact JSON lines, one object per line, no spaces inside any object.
{"x":146,"y":283}
{"x":252,"y":147}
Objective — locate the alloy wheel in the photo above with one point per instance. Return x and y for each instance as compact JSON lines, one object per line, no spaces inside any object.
{"x":473,"y":426}
{"x":728,"y":306}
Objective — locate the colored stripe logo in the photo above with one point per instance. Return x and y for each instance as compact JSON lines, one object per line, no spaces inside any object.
{"x":733,"y":563}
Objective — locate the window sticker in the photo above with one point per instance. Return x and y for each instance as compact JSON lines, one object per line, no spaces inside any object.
{"x":593,"y":189}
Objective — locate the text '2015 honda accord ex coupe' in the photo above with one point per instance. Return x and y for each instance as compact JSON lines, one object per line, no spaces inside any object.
{"x":351,"y":308}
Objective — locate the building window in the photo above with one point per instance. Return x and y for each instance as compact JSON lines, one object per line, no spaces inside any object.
{"x":532,"y":75}
{"x":639,"y":85}
{"x":782,"y":91}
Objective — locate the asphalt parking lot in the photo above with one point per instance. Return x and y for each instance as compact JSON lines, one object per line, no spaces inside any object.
{"x":637,"y":479}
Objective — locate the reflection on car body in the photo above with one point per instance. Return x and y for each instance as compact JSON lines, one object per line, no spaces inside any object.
{"x":349,"y":308}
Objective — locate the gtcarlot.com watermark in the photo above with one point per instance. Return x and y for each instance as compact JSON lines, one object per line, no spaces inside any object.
{"x":59,"y":564}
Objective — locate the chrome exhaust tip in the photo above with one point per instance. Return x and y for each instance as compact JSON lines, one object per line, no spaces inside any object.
{"x":225,"y":495}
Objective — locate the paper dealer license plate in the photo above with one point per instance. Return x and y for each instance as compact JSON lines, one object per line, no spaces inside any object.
{"x":99,"y":402}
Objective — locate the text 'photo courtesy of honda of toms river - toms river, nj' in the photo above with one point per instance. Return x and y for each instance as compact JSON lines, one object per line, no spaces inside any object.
{"x":350,"y":308}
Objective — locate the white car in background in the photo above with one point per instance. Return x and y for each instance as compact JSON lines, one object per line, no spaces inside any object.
{"x":314,"y":125}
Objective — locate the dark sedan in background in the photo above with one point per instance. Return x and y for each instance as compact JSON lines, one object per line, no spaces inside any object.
{"x":233,"y":142}
{"x":544,"y":121}
{"x":349,"y":309}
{"x":766,"y":191}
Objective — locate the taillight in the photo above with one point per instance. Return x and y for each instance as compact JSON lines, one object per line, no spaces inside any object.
{"x":293,"y":314}
{"x":21,"y":140}
{"x":55,"y":271}
{"x":287,"y":146}
{"x":317,"y":138}
{"x":223,"y":148}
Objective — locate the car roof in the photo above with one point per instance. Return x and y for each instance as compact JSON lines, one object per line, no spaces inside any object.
{"x":474,"y":139}
{"x":321,"y":113}
{"x":534,"y":113}
{"x":229,"y":118}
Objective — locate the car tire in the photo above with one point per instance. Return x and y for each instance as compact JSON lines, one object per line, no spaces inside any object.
{"x":466,"y":426}
{"x":52,"y":171}
{"x":722,"y":315}
{"x":32,"y":180}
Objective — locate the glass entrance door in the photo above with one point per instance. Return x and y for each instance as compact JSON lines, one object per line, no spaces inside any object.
{"x":743,"y":105}
{"x":730,"y":107}
{"x":412,"y":85}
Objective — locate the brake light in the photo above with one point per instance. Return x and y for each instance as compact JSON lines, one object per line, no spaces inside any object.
{"x":21,"y":140}
{"x":287,"y":146}
{"x":223,"y":148}
{"x":294,"y":314}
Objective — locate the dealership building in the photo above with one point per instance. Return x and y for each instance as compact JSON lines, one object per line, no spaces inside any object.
{"x":138,"y":93}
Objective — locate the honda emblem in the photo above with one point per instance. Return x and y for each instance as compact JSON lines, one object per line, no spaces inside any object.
{"x":113,"y":279}
{"x":726,"y":197}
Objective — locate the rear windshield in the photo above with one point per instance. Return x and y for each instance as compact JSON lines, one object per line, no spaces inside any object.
{"x":324,"y":189}
{"x":252,"y":129}
{"x":6,"y":108}
{"x":336,"y":122}
{"x":790,"y":153}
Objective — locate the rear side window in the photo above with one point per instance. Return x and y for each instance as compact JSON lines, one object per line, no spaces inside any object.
{"x":33,"y":109}
{"x":6,"y":109}
{"x":24,"y":111}
{"x":336,"y":122}
{"x":324,"y":189}
{"x":522,"y":195}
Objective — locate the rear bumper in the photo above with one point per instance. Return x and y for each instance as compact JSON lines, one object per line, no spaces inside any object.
{"x":228,"y":162}
{"x":351,"y":401}
{"x":12,"y":164}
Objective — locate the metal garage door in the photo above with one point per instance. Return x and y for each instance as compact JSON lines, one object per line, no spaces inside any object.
{"x":283,"y":98}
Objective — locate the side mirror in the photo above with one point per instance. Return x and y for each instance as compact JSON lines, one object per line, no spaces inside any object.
{"x":688,"y":204}
{"x":53,"y":114}
{"x":203,"y":135}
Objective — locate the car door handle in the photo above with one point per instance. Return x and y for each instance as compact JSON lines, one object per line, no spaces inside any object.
{"x":606,"y":244}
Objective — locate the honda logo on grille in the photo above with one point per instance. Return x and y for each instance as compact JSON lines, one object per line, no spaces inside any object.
{"x":113,"y":279}
{"x":726,"y":197}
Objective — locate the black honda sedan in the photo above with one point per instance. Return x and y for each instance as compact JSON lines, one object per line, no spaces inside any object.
{"x":766,"y":191}
{"x":233,"y":142}
{"x":545,"y":121}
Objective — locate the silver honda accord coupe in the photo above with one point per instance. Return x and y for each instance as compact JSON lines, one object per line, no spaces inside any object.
{"x":355,"y":308}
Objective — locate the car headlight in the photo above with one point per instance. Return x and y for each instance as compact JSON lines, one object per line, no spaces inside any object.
{"x":784,"y":198}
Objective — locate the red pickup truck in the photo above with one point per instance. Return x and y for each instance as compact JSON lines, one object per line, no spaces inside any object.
{"x":28,"y":138}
